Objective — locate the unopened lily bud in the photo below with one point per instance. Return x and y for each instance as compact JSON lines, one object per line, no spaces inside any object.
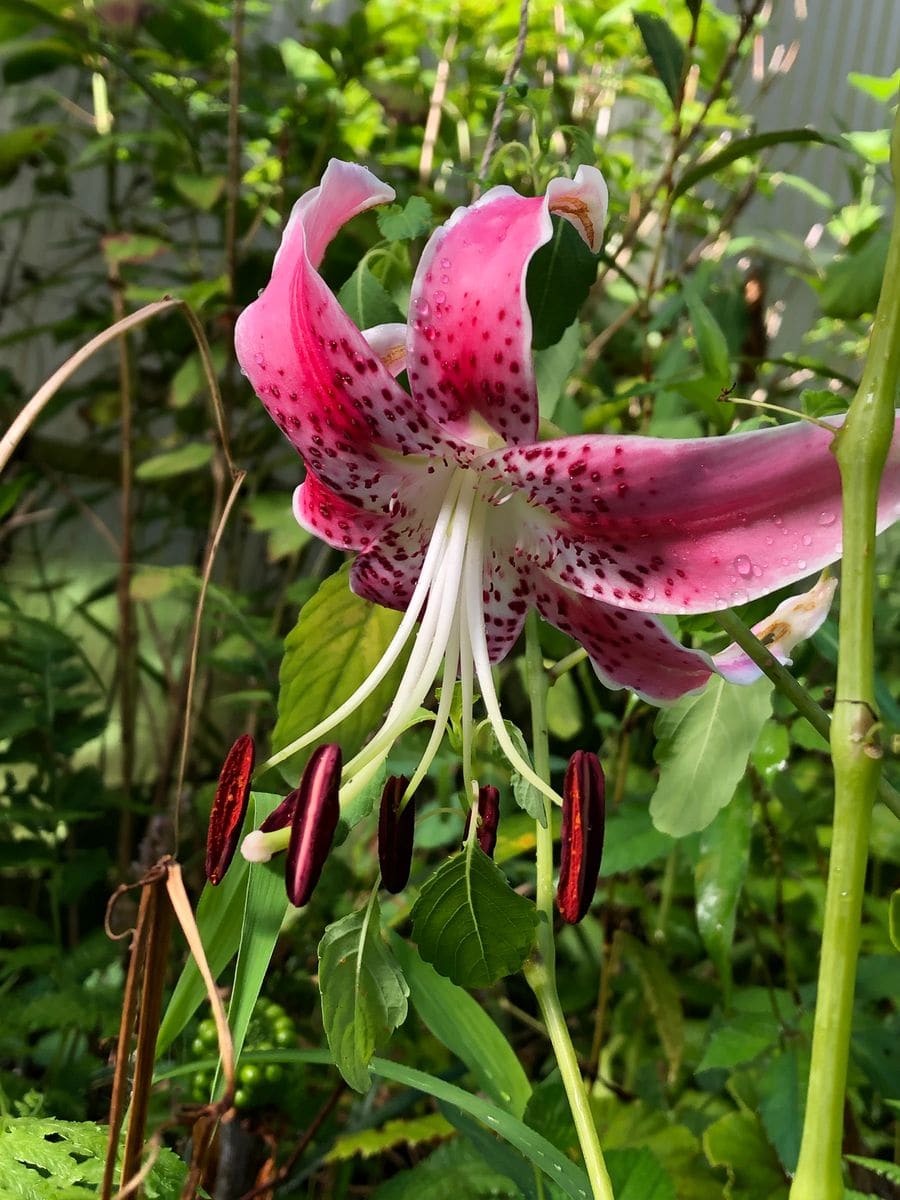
{"x":395,"y":834}
{"x":583,"y":816}
{"x":281,"y":817}
{"x":229,"y":808}
{"x":313,"y":824}
{"x":488,"y":819}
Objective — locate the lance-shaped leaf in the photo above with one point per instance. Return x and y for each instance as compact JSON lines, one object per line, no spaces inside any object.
{"x":363,"y":992}
{"x":469,"y":923}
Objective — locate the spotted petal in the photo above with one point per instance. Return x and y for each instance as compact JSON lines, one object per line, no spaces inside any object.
{"x":469,"y":343}
{"x":314,"y":370}
{"x":686,"y":526}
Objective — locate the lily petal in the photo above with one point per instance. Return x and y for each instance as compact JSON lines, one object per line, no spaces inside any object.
{"x":469,"y":342}
{"x":314,"y":370}
{"x":389,"y":343}
{"x":334,"y":519}
{"x":674,"y":526}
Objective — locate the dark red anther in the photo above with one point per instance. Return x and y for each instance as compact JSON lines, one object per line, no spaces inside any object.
{"x":314,"y":821}
{"x":395,"y":834}
{"x":488,"y":819}
{"x":583,"y":816}
{"x":229,"y":807}
{"x":281,"y":817}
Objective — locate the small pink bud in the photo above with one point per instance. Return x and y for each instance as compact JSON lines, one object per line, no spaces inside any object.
{"x":395,"y":834}
{"x":583,"y":816}
{"x":488,"y":818}
{"x":229,"y":808}
{"x":313,"y":823}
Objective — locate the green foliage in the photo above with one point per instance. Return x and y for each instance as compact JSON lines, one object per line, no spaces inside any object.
{"x":665,"y":51}
{"x":469,"y":923}
{"x":703,"y":743}
{"x":363,"y":992}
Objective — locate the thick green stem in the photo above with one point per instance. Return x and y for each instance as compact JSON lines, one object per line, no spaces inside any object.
{"x":540,"y":971}
{"x":861,"y":449}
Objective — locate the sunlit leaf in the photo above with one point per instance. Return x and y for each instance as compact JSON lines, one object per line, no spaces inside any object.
{"x":189,"y":457}
{"x":399,"y":223}
{"x":745,"y":148}
{"x":470,"y":924}
{"x":665,"y":51}
{"x":719,"y":876}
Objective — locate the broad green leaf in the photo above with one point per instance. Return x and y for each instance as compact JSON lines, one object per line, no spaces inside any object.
{"x":719,"y":876}
{"x":272,"y":515}
{"x":38,"y":57}
{"x":363,"y":992}
{"x":304,"y":64}
{"x":737,"y":1143}
{"x":782,"y":1102}
{"x":463,"y":1026}
{"x":711,"y":344}
{"x":545,"y":1156}
{"x":133,"y":247}
{"x":559,"y":279}
{"x":399,"y":223}
{"x":470,"y":924}
{"x":661,"y":995}
{"x":265,"y":906}
{"x":665,"y":51}
{"x":632,"y":840}
{"x":412,"y":1131}
{"x":337,"y":641}
{"x":747,"y":147}
{"x":879,"y":87}
{"x":772,"y":750}
{"x":200,"y":191}
{"x":553,"y":367}
{"x":455,"y":1171}
{"x":852,"y":283}
{"x":18,"y":145}
{"x":637,"y":1174}
{"x":497,"y":1153}
{"x":526,"y":794}
{"x":365,"y":300}
{"x":564,"y":713}
{"x":703,"y":743}
{"x":189,"y":457}
{"x":743,"y":1039}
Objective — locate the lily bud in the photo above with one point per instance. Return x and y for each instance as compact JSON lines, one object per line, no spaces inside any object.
{"x":583,"y":816}
{"x":488,"y":819}
{"x":395,"y":835}
{"x":229,"y":808}
{"x":281,"y":817}
{"x":314,"y":821}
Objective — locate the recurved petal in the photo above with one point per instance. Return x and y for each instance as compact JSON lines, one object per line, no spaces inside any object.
{"x":389,"y":343}
{"x":337,"y":521}
{"x":628,"y":649}
{"x":469,"y":342}
{"x":687,"y":526}
{"x":314,"y":370}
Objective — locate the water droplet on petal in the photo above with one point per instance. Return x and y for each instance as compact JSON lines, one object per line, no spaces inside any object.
{"x":445,"y":279}
{"x":440,"y":297}
{"x":801,"y":564}
{"x":422,"y":306}
{"x":806,"y":540}
{"x":743,"y":566}
{"x":827,"y":518}
{"x":757,"y":572}
{"x":445,"y":263}
{"x":740,"y":596}
{"x":769,"y":541}
{"x":259,"y":360}
{"x":776,"y":520}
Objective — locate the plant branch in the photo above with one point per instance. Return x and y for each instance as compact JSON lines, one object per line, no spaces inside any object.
{"x":494,"y":134}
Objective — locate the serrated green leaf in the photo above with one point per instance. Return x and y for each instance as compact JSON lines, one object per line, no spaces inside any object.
{"x":661,"y":995}
{"x":366,"y":302}
{"x":469,"y":923}
{"x":337,"y":641}
{"x":742,"y":1040}
{"x":738,"y":1143}
{"x":782,"y":1103}
{"x":399,"y":223}
{"x":454,"y":1171}
{"x":719,"y":876}
{"x":745,"y":148}
{"x":404,"y":1132}
{"x":665,"y":51}
{"x":559,"y":279}
{"x":637,"y":1174}
{"x":703,"y":743}
{"x":189,"y":457}
{"x":463,"y":1026}
{"x":526,"y":795}
{"x":363,"y":992}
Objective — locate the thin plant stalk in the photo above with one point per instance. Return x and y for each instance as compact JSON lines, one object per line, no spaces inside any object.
{"x":861,"y":449}
{"x":540,"y":970}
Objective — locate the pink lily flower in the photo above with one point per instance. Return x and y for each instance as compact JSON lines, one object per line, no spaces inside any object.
{"x":462,"y":520}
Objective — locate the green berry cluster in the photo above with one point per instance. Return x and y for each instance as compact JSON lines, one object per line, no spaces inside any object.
{"x":258,"y":1085}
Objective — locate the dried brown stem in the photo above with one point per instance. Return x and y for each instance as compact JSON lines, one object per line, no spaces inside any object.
{"x":515,"y":62}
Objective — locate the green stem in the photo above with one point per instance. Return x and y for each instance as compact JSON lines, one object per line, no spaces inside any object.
{"x":540,"y":970}
{"x":861,"y":449}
